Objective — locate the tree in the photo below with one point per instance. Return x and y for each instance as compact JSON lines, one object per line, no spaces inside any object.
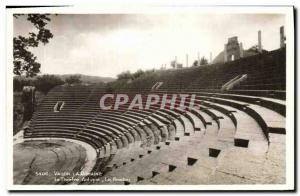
{"x":203,"y":61}
{"x":254,"y":48}
{"x":74,"y":79}
{"x":25,"y":62}
{"x":173,"y":64}
{"x":195,"y":63}
{"x":138,"y":74}
{"x":20,"y":82}
{"x":46,"y":82}
{"x":125,"y":76}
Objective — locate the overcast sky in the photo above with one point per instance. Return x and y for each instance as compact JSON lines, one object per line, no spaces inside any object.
{"x":105,"y":45}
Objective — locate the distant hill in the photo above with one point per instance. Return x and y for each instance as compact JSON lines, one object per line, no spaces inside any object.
{"x":89,"y":79}
{"x":84,"y":78}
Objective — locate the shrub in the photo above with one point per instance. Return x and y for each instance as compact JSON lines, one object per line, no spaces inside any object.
{"x":73,"y":79}
{"x":46,"y":82}
{"x":124,"y":75}
{"x":20,"y":82}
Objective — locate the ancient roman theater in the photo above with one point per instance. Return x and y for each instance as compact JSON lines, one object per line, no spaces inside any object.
{"x":235,"y":135}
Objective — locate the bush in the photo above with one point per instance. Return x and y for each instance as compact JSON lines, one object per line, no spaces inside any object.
{"x":20,"y":82}
{"x":74,"y":79}
{"x":203,"y":61}
{"x":128,"y":76}
{"x":138,"y":74}
{"x":46,"y":82}
{"x":124,"y":75}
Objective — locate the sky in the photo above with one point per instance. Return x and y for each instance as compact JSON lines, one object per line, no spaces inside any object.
{"x":108,"y":44}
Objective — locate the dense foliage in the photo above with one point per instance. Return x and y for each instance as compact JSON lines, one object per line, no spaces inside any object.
{"x":73,"y":79}
{"x":25,"y":62}
{"x":43,"y":83}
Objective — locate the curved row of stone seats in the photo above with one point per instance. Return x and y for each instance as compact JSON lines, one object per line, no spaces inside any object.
{"x":93,"y":134}
{"x":42,"y":115}
{"x":269,"y":86}
{"x":113,"y":133}
{"x":72,"y":129}
{"x":131,"y":121}
{"x":133,"y":132}
{"x":127,"y":137}
{"x":226,"y":128}
{"x":149,"y":164}
{"x":53,"y":114}
{"x":251,"y":114}
{"x":61,"y":118}
{"x":165,"y":123}
{"x":228,"y":113}
{"x":126,"y":155}
{"x":111,"y":114}
{"x":140,"y":178}
{"x":121,"y":136}
{"x":190,"y":119}
{"x":170,"y":127}
{"x":92,"y":101}
{"x":194,"y":119}
{"x":135,"y":152}
{"x":60,"y":134}
{"x":153,"y":124}
{"x":248,"y":129}
{"x":38,"y":114}
{"x":276,"y":107}
{"x":263,"y":80}
{"x":50,"y":134}
{"x":196,"y":122}
{"x":271,"y":103}
{"x":122,"y":157}
{"x":77,"y":100}
{"x":117,"y":125}
{"x":122,"y":154}
{"x":79,"y":122}
{"x":72,"y":96}
{"x":275,"y":94}
{"x":212,"y":76}
{"x":212,"y":114}
{"x":122,"y":122}
{"x":95,"y":137}
{"x":162,"y":119}
{"x":132,"y":116}
{"x":138,"y":119}
{"x":259,"y":109}
{"x":243,"y":169}
{"x":269,"y":120}
{"x":230,"y":129}
{"x":220,"y":109}
{"x":224,"y":118}
{"x":187,"y":124}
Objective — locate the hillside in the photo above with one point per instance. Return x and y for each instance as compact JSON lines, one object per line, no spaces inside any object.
{"x":89,"y":79}
{"x":84,"y":78}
